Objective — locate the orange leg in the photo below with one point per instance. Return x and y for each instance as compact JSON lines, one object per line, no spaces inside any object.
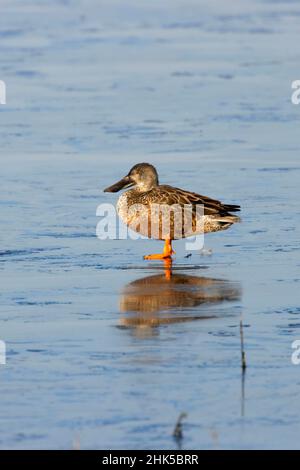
{"x":166,"y":254}
{"x":168,"y":268}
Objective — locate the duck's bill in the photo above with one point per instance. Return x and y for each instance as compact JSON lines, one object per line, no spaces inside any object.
{"x":125,"y":182}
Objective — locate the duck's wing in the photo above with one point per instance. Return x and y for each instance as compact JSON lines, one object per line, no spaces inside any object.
{"x":165,"y":194}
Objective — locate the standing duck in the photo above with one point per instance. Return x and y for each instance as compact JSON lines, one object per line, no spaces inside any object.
{"x":138,"y":206}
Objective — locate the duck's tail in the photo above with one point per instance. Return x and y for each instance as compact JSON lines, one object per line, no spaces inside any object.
{"x":229,"y":219}
{"x":231,"y":207}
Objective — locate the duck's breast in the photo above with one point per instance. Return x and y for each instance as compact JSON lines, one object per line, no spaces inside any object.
{"x":135,"y":212}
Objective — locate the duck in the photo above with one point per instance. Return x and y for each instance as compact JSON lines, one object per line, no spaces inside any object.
{"x":142,"y":208}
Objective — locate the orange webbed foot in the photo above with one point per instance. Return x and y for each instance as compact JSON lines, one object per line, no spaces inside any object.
{"x":158,"y":256}
{"x":166,"y":254}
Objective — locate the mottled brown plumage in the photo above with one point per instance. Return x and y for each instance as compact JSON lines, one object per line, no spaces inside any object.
{"x":165,"y":194}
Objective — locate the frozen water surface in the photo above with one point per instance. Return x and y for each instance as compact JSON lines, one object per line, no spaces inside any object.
{"x":102,"y":350}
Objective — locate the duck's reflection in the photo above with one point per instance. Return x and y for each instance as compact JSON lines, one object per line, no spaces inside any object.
{"x":172,"y":297}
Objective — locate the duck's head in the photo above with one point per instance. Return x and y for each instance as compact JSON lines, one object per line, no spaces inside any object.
{"x":143,"y":176}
